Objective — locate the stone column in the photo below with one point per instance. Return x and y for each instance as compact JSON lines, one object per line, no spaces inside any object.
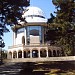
{"x":47,"y":53}
{"x":30,"y":53}
{"x":22,"y":54}
{"x":39,"y":53}
{"x":25,"y":36}
{"x":17,"y":54}
{"x":42,"y":35}
{"x":12,"y":55}
{"x":56,"y":53}
{"x":60,"y":53}
{"x":52,"y":53}
{"x":8,"y":56}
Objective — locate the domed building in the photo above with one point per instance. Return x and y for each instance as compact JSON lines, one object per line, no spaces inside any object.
{"x":28,"y":37}
{"x":34,"y":14}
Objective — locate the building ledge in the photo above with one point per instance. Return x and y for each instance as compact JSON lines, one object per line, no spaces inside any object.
{"x":39,"y":45}
{"x":15,"y":27}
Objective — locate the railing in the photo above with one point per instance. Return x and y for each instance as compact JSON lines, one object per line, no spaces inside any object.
{"x":14,"y":46}
{"x":31,"y":45}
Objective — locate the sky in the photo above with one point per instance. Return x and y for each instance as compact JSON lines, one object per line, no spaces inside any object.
{"x":46,"y":6}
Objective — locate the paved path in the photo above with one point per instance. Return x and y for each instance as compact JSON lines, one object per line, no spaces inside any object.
{"x":10,"y":69}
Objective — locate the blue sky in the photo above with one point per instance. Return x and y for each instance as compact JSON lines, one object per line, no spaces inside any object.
{"x":45,"y":5}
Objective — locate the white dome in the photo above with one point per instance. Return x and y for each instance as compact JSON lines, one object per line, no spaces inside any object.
{"x":34,"y":14}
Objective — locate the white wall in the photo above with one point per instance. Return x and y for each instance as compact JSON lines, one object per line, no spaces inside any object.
{"x":34,"y":40}
{"x":18,"y":39}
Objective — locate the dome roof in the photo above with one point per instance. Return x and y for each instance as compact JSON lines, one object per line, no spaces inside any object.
{"x":34,"y":14}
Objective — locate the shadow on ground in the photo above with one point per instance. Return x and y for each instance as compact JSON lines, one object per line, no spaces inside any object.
{"x":49,"y":68}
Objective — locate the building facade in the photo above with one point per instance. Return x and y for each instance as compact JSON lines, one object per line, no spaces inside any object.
{"x":28,"y":37}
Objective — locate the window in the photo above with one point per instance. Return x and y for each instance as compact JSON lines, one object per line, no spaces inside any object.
{"x":34,"y":30}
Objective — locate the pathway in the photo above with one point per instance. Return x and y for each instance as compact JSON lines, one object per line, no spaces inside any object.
{"x":10,"y":69}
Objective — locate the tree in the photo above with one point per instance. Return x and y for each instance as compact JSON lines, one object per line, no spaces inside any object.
{"x":10,"y":13}
{"x":64,"y":23}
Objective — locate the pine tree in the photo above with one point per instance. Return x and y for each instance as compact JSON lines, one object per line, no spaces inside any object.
{"x":64,"y":23}
{"x":10,"y":13}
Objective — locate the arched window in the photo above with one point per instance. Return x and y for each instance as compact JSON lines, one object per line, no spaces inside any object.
{"x":49,"y":53}
{"x":23,"y":40}
{"x":20,"y":54}
{"x":43,"y":52}
{"x":34,"y":53}
{"x":10,"y":55}
{"x":14,"y":54}
{"x":27,"y":54}
{"x":54,"y":53}
{"x":24,"y":54}
{"x":58,"y":53}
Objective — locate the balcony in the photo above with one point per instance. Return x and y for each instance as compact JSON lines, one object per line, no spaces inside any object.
{"x":21,"y":45}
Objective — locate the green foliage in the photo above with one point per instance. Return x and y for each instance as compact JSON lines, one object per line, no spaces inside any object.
{"x":10,"y":13}
{"x":64,"y":25}
{"x":4,"y":54}
{"x":11,"y":10}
